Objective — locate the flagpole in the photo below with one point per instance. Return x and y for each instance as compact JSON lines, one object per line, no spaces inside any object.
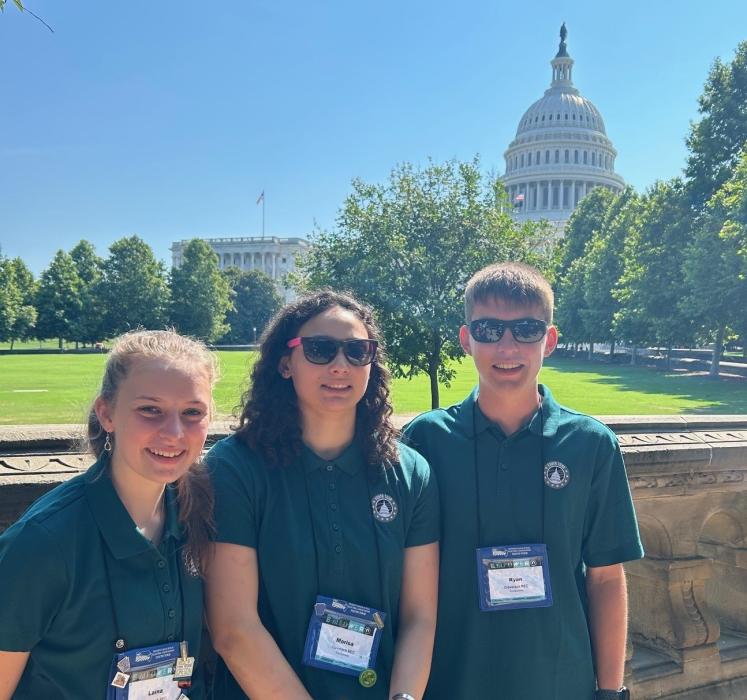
{"x":263,"y":213}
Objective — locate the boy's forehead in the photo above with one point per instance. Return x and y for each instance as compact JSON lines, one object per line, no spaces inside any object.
{"x":499,"y":307}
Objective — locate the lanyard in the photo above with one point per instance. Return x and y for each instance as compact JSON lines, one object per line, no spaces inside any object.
{"x":478,"y":509}
{"x":316,"y":550}
{"x":120,"y":644}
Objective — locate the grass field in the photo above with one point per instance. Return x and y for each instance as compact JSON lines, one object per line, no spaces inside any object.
{"x":59,"y":388}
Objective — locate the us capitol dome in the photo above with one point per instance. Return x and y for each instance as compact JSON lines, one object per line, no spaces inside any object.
{"x":561,"y":151}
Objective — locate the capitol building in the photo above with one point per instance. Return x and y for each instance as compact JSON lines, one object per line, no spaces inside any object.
{"x":274,"y":256}
{"x":561,"y":151}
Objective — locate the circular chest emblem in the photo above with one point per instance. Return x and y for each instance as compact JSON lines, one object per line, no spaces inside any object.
{"x":557,"y":475}
{"x":384,"y":508}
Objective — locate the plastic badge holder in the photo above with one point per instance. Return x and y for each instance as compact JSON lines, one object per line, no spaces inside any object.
{"x":515,"y":576}
{"x":343,"y":637}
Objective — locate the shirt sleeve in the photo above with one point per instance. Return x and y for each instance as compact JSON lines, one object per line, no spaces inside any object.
{"x":33,"y":585}
{"x":235,"y":513}
{"x":425,"y":523}
{"x":611,"y":530}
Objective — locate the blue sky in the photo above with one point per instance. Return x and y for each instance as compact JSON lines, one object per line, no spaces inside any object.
{"x":168,"y":119}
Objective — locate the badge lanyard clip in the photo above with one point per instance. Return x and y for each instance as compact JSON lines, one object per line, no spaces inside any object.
{"x":184,"y":667}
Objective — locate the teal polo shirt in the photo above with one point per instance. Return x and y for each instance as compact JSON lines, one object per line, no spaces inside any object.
{"x":528,"y":653}
{"x":54,"y":595}
{"x":312,"y":526}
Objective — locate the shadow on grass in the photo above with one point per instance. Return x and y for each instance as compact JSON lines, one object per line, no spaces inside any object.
{"x":724,"y":395}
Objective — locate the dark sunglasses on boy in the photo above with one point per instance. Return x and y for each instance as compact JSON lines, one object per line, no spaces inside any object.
{"x":321,"y":350}
{"x":524,"y":330}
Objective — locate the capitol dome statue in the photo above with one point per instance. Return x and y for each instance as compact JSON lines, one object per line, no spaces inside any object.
{"x":560,"y":152}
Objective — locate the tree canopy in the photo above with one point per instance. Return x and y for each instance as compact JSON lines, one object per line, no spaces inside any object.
{"x":134,"y":289}
{"x":716,"y":139}
{"x":200,"y":294}
{"x":58,"y":300}
{"x":408,"y":247}
{"x":255,"y":301}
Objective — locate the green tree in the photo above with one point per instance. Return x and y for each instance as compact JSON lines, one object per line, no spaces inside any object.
{"x":716,"y":140}
{"x":734,"y":201}
{"x":652,"y":284}
{"x":585,"y":220}
{"x":200,"y":294}
{"x":88,"y":327}
{"x":716,"y":264}
{"x":10,"y":299}
{"x":255,"y":302}
{"x":25,"y":321}
{"x":58,"y":301}
{"x":571,"y":303}
{"x":133,"y":289}
{"x":408,"y":247}
{"x":603,"y":264}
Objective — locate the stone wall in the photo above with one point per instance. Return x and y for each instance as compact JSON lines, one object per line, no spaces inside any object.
{"x":688,"y":597}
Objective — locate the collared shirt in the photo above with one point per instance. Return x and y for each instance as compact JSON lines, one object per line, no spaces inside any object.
{"x":313,"y":527}
{"x":55,"y":598}
{"x":586,"y":517}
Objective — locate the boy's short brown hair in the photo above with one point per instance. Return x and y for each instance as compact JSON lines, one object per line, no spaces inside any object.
{"x":516,"y":283}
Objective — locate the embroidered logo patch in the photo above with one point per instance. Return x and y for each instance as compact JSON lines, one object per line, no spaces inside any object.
{"x":384,"y":508}
{"x":557,"y":475}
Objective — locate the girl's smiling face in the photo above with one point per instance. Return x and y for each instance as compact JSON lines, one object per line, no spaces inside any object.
{"x":159,"y":419}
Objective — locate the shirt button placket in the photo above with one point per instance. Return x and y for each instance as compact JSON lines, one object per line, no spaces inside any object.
{"x":333,"y":519}
{"x":168,"y":601}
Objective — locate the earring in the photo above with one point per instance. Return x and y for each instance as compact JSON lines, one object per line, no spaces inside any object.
{"x":108,"y":442}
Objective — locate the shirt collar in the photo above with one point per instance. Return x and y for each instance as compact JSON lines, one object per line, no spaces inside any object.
{"x":350,"y":460}
{"x":474,"y":421}
{"x":114,"y":522}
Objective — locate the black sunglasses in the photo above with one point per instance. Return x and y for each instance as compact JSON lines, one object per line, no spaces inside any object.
{"x":321,"y":350}
{"x":524,"y":330}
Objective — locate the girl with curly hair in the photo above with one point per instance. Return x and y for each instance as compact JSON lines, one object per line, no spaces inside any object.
{"x":323,"y":582}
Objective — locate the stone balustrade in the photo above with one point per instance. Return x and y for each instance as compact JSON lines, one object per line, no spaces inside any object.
{"x":688,"y":597}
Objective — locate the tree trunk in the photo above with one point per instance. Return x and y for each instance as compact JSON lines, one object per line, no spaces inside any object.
{"x":669,"y":357}
{"x":717,"y":348}
{"x":612,"y":349}
{"x":591,"y":350}
{"x":12,"y":340}
{"x":433,"y":374}
{"x":433,"y":362}
{"x":633,"y":353}
{"x":59,"y":343}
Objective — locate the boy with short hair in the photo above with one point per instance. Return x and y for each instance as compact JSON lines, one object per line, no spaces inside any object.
{"x":536,"y":516}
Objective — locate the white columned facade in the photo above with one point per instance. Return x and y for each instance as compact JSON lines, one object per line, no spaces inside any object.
{"x":575,"y":153}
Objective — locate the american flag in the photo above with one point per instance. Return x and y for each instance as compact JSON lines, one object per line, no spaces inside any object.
{"x":261,"y":197}
{"x":519,"y":197}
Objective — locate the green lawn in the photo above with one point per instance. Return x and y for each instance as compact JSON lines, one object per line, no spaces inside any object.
{"x":59,"y":388}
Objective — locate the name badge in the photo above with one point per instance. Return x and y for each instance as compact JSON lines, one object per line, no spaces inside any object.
{"x":150,"y":673}
{"x":515,"y":576}
{"x":344,"y":637}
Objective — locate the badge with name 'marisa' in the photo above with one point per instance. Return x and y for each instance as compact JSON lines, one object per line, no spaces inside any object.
{"x":344,"y":637}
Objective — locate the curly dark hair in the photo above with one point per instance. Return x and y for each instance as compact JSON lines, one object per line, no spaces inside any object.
{"x":269,"y":421}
